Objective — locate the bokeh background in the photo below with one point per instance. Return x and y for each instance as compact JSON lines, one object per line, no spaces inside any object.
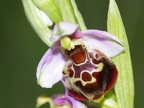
{"x":21,"y":49}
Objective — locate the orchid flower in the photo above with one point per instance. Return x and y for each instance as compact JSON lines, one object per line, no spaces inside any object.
{"x":82,"y":58}
{"x":59,"y":101}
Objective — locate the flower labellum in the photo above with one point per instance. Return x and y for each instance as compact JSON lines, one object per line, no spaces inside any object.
{"x":82,"y":59}
{"x":88,"y":75}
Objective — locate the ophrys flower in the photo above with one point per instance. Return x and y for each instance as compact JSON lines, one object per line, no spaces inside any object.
{"x":82,"y":58}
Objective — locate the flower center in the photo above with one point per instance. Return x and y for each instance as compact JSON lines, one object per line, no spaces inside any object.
{"x":77,"y":55}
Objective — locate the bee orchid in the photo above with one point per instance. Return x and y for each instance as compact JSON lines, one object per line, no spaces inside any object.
{"x":82,"y":60}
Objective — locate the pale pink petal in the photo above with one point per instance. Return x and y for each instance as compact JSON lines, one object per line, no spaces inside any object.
{"x":63,"y":29}
{"x":67,"y":99}
{"x":103,"y":41}
{"x":50,"y":67}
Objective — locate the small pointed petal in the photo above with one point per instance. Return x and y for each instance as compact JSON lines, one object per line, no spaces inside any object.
{"x":61,"y":101}
{"x":77,"y":34}
{"x":49,"y":70}
{"x":63,"y":29}
{"x":103,"y":41}
{"x":76,"y":103}
{"x":66,"y":99}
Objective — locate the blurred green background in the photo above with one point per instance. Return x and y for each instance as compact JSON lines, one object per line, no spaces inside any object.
{"x":21,"y":49}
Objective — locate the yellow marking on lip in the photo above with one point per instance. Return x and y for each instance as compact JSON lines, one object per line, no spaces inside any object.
{"x":65,"y":70}
{"x":71,"y":85}
{"x":84,"y":82}
{"x":88,"y":82}
{"x":100,"y":67}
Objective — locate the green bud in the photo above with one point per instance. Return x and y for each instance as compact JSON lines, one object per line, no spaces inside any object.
{"x":70,"y":12}
{"x":67,"y":11}
{"x":50,"y":8}
{"x":78,"y":15}
{"x":38,"y":20}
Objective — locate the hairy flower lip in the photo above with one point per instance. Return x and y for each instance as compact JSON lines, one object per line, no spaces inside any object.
{"x":91,"y":78}
{"x":50,"y":67}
